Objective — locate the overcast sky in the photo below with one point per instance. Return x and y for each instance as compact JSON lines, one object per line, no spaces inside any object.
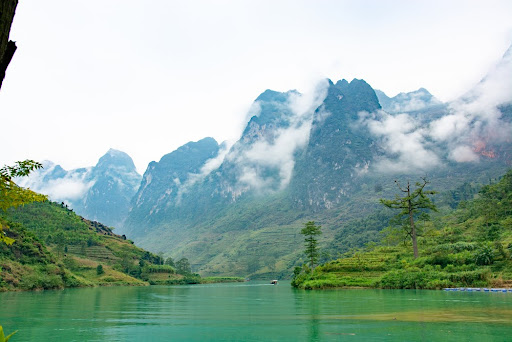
{"x":146,"y":77}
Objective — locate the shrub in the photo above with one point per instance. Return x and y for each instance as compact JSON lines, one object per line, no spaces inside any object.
{"x":108,"y":279}
{"x":99,"y":270}
{"x":439,"y":284}
{"x":484,"y":255}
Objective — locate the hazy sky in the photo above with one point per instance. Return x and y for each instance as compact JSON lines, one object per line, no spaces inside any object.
{"x":146,"y":77}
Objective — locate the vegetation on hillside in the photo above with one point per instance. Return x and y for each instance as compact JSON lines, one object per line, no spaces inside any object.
{"x":11,"y":195}
{"x":412,"y":205}
{"x":470,"y":246}
{"x":55,"y":248}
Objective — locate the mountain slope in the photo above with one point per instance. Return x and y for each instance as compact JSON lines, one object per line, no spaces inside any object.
{"x":467,"y":247}
{"x":164,"y":183}
{"x":102,"y":193}
{"x":337,"y":151}
{"x":55,"y":248}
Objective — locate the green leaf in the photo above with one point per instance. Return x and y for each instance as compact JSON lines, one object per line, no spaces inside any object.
{"x":2,"y":336}
{"x":8,"y":241}
{"x":10,"y":335}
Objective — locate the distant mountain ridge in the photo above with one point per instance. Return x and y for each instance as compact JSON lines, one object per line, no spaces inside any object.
{"x":101,"y":193}
{"x":420,"y":99}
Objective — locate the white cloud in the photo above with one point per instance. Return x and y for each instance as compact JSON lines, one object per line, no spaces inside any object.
{"x":66,"y":189}
{"x":413,"y":101}
{"x":471,"y":123}
{"x":276,"y":155}
{"x":209,"y":166}
{"x":71,"y":186}
{"x":462,"y":154}
{"x":404,"y":142}
{"x":449,"y":126}
{"x":476,"y":117}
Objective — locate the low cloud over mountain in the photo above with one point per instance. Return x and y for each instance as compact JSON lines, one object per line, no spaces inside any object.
{"x":101,"y":193}
{"x":466,"y":129}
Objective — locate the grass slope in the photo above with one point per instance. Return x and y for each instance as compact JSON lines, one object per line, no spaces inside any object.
{"x":55,"y":248}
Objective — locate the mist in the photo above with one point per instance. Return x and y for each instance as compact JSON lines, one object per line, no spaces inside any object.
{"x":267,"y":164}
{"x":462,"y":135}
{"x":70,"y":187}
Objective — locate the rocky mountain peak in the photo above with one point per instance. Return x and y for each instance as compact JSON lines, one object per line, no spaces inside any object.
{"x":116,"y":158}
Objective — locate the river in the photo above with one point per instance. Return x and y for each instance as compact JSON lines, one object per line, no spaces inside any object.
{"x":254,"y":312}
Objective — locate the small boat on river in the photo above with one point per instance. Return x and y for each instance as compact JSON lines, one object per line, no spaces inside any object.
{"x":273,"y":282}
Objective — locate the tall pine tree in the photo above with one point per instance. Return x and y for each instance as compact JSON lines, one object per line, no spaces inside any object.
{"x":412,"y":204}
{"x":309,"y":231}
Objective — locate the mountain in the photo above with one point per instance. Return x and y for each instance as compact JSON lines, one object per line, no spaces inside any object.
{"x":326,"y":157}
{"x":339,"y":151}
{"x":101,"y":193}
{"x":417,"y":100}
{"x":165,"y":182}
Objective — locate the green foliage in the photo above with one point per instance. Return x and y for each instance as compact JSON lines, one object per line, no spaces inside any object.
{"x":484,"y":255}
{"x":428,"y":278}
{"x":11,"y":195}
{"x":169,"y":261}
{"x":214,"y":280}
{"x":4,"y":338}
{"x":360,"y":231}
{"x":309,"y":231}
{"x":159,"y":269}
{"x":183,"y":266}
{"x":461,"y":249}
{"x":99,"y":269}
{"x":412,"y":206}
{"x":55,"y":248}
{"x":463,"y":193}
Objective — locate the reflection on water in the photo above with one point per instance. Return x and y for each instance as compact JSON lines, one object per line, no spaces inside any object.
{"x":255,"y":312}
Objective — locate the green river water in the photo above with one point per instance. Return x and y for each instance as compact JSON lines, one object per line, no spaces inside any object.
{"x":254,"y":312}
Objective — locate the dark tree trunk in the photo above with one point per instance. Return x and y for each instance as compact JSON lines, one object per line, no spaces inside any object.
{"x":7,"y":47}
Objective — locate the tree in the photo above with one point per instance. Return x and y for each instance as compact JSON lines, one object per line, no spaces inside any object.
{"x":7,"y":47}
{"x":169,"y":262}
{"x":183,"y":266}
{"x":99,"y":269}
{"x":411,"y":205}
{"x":12,"y":195}
{"x":309,"y":231}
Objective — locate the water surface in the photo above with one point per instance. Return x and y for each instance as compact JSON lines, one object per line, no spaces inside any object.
{"x":255,"y":312}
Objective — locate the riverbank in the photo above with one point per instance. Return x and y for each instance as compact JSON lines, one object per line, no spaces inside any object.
{"x":394,"y":268}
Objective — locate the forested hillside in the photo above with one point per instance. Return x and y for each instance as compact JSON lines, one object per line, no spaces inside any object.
{"x":55,"y":248}
{"x":470,"y":246}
